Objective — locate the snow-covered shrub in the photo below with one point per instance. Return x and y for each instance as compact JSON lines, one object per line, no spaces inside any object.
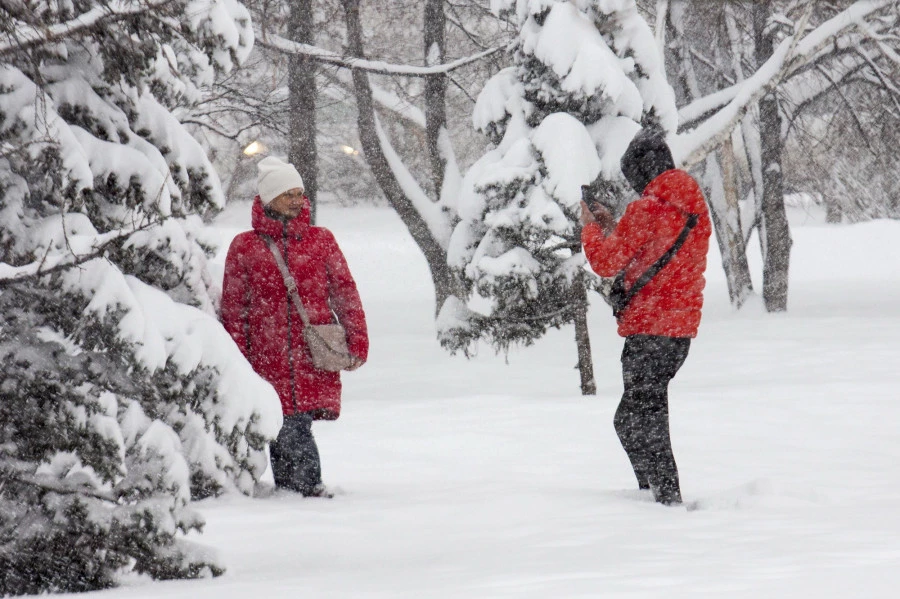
{"x":586,"y":76}
{"x":121,"y":397}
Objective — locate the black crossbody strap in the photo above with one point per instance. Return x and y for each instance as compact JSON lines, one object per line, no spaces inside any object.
{"x":661,"y":262}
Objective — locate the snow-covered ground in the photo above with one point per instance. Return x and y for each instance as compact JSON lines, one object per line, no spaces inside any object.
{"x":495,"y":478}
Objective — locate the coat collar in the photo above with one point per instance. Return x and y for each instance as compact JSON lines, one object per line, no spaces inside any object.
{"x":266,"y":225}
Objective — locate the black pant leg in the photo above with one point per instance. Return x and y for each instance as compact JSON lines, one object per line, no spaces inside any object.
{"x":642,"y":418}
{"x":630,"y":416}
{"x":295,"y":456}
{"x":628,"y":427}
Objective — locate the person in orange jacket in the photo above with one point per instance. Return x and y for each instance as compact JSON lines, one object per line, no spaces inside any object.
{"x":663,"y":313}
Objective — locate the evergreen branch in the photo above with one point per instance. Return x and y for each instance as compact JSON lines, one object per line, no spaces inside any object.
{"x":63,"y":490}
{"x":543,"y":317}
{"x":10,"y":275}
{"x":27,"y":36}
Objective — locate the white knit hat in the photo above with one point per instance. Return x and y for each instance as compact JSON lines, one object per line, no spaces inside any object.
{"x":276,"y":177}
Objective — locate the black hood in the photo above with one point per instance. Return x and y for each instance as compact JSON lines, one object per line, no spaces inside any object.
{"x":647,"y":157}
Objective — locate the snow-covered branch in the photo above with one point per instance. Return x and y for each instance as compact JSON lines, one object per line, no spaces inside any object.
{"x":805,"y":52}
{"x":377,"y":67}
{"x":886,"y":50}
{"x":52,"y":487}
{"x":26,"y":36}
{"x":792,"y":54}
{"x":430,"y":211}
{"x":10,"y":275}
{"x":386,"y":100}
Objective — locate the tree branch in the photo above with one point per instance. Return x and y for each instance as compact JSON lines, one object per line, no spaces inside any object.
{"x":63,"y":490}
{"x":376,"y":67}
{"x":27,"y":36}
{"x":791,"y":54}
{"x":10,"y":275}
{"x":697,"y":110}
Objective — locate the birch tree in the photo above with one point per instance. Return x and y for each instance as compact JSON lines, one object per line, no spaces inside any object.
{"x":788,"y":43}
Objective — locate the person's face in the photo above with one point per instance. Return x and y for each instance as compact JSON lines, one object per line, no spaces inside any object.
{"x":290,"y":203}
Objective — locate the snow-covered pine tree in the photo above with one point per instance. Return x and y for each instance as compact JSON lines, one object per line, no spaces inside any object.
{"x":587,"y":75}
{"x":121,"y":396}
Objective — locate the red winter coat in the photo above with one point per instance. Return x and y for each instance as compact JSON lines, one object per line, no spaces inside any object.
{"x":258,"y":313}
{"x":669,"y":305}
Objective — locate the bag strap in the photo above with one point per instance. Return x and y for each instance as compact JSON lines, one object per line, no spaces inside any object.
{"x":660,"y":262}
{"x":289,"y":281}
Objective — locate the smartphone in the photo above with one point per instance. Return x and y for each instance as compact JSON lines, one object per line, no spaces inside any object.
{"x":587,"y":194}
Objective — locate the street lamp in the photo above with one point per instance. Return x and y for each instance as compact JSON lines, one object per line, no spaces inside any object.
{"x":254,"y":148}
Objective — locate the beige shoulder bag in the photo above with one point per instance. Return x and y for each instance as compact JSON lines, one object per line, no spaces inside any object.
{"x":327,"y":343}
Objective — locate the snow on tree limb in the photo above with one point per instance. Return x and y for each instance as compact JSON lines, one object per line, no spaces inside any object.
{"x":27,"y":36}
{"x":386,"y":99}
{"x":119,"y":381}
{"x":854,"y":16}
{"x":792,"y":54}
{"x":886,"y":50}
{"x":49,"y":264}
{"x":430,"y":211}
{"x":377,"y":67}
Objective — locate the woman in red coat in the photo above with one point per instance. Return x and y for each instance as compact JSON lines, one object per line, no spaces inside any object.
{"x":258,"y":313}
{"x":663,"y":315}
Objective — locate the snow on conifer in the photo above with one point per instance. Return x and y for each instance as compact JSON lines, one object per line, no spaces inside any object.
{"x":586,"y":77}
{"x":121,"y":396}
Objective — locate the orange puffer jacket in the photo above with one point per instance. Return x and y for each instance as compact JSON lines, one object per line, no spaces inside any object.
{"x":669,"y":305}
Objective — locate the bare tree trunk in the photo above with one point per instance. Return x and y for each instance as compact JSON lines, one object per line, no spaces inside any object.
{"x":582,"y":338}
{"x":302,"y":101}
{"x":435,"y":89}
{"x":749,"y":134}
{"x":740,"y":285}
{"x":775,"y":234}
{"x":724,"y":210}
{"x":726,"y":220}
{"x":435,"y":254}
{"x":834,"y":213}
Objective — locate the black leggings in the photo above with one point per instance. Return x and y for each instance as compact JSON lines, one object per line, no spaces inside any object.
{"x":295,"y":456}
{"x":642,"y":419}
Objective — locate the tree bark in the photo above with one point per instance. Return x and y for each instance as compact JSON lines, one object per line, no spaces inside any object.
{"x":302,"y":94}
{"x":435,"y":254}
{"x":724,"y":210}
{"x":582,"y":338}
{"x":740,"y":285}
{"x":435,"y":89}
{"x":775,"y":234}
{"x":726,"y":219}
{"x":834,"y":212}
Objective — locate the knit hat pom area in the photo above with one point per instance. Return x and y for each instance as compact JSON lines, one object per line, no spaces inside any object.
{"x":276,"y":177}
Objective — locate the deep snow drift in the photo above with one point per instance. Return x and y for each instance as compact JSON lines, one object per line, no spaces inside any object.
{"x":485,"y":479}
